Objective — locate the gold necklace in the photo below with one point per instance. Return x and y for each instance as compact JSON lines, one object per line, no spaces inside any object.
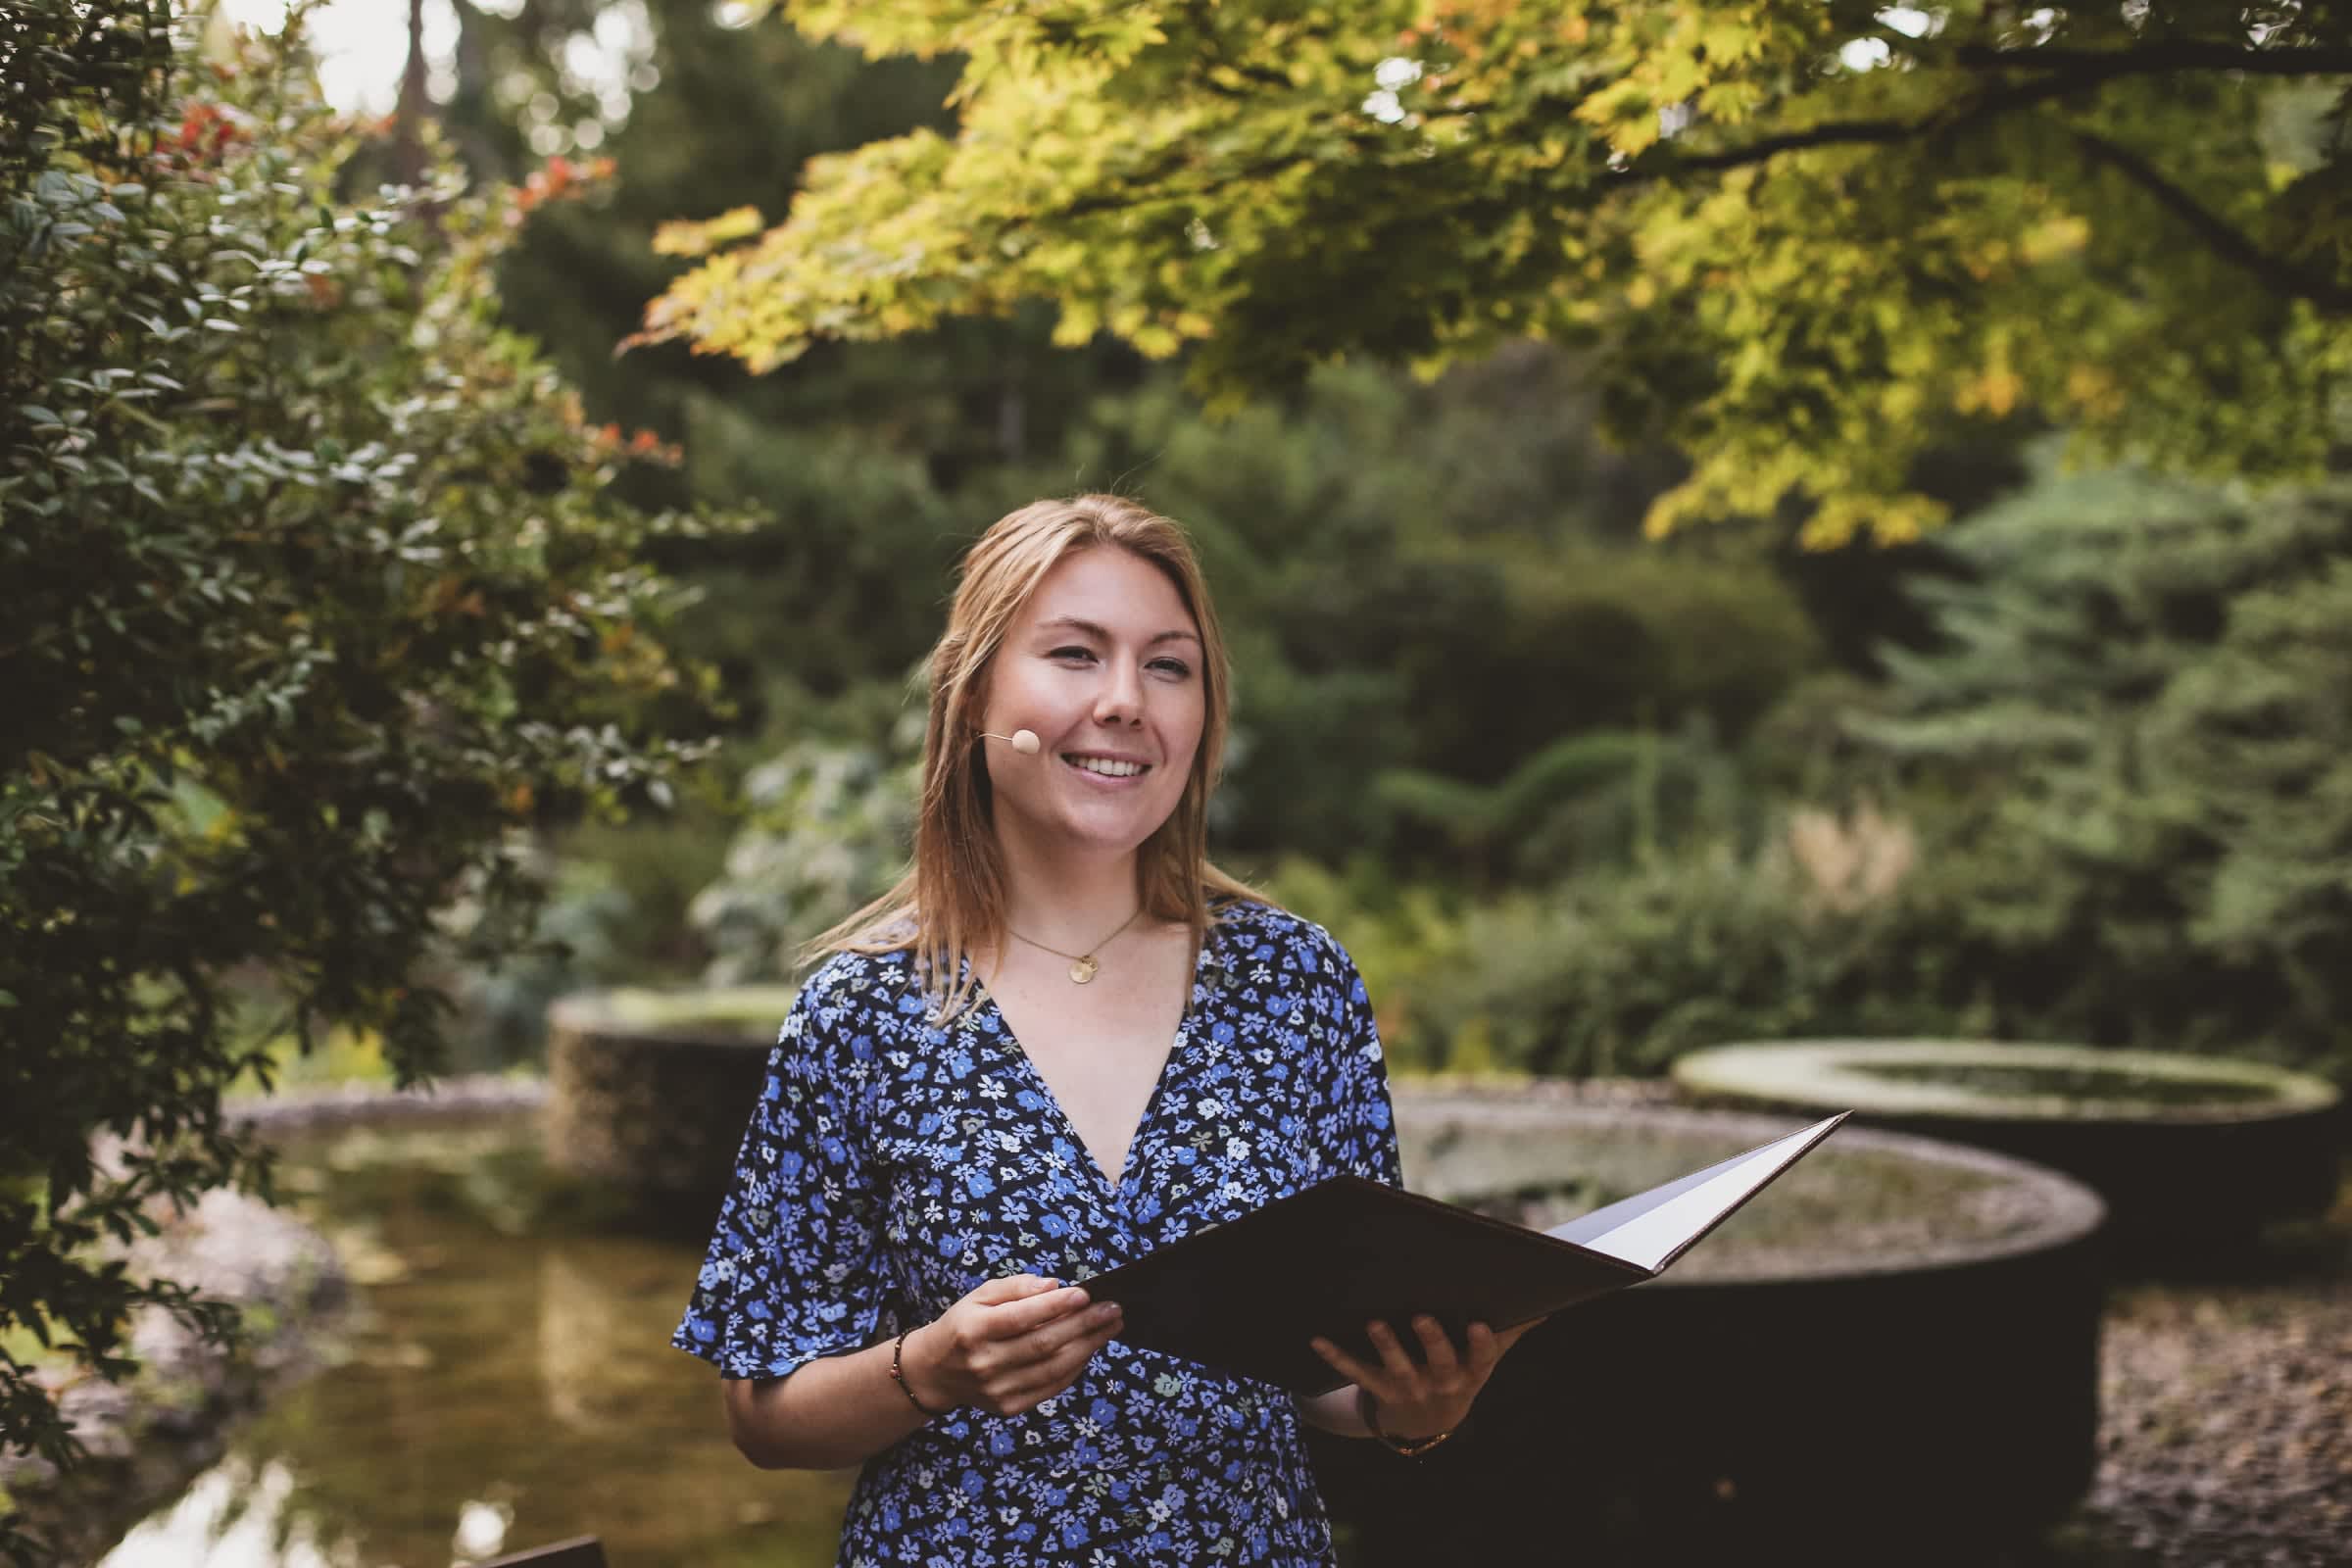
{"x":1084,"y":967}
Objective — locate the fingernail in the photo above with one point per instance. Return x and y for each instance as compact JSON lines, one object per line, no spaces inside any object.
{"x":1106,"y":1311}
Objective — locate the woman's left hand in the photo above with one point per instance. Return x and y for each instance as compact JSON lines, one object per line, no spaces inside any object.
{"x":1421,"y":1399}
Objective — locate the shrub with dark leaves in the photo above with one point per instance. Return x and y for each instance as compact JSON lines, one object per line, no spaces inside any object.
{"x":312,"y":600}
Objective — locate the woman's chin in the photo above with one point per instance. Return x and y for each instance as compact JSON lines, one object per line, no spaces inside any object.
{"x":1123,"y":837}
{"x":1100,"y":827}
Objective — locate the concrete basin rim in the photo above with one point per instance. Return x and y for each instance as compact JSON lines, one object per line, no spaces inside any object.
{"x":1806,"y":1072}
{"x":2076,"y":1211}
{"x":601,"y":1013}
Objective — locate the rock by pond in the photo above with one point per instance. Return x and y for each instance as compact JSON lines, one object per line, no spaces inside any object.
{"x":144,"y":1435}
{"x":649,"y":1090}
{"x":2183,"y":1148}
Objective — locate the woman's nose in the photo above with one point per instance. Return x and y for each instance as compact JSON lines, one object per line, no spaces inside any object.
{"x":1121,"y":699}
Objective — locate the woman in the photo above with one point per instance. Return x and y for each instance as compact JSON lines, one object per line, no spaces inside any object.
{"x":1065,"y":1039}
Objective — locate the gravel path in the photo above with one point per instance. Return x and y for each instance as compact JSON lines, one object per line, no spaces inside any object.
{"x":2226,"y":1427}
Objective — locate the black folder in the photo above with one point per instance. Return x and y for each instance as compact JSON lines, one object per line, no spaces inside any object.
{"x":1245,"y":1296}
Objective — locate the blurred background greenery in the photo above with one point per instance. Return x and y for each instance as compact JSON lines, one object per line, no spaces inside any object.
{"x":1577,"y":799}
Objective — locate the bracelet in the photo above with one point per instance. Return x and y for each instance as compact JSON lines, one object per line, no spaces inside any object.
{"x":897,"y":1375}
{"x":1410,"y":1447}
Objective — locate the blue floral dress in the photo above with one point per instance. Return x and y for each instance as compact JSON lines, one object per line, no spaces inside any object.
{"x":891,"y":1166}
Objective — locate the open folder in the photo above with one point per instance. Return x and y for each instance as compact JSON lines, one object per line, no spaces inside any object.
{"x":1247,"y":1296}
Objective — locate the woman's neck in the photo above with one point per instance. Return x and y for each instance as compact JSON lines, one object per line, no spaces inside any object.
{"x":1062,"y":899}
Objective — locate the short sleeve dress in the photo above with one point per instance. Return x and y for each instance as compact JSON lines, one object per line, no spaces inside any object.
{"x":891,"y":1166}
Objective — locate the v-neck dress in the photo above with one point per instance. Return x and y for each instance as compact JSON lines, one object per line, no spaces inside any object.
{"x":891,"y":1166}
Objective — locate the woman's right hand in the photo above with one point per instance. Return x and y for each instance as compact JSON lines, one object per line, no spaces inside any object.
{"x":1009,"y":1345}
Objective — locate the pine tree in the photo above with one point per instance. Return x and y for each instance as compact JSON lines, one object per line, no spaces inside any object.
{"x":2141,"y":694}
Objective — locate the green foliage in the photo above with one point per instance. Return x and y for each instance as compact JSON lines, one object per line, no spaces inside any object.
{"x":1589,"y":798}
{"x":580,"y":939}
{"x":828,"y":827}
{"x":1404,"y":937}
{"x":844,"y":583}
{"x":871,"y":465}
{"x":316,"y":598}
{"x":2139,"y":707}
{"x":335,"y":1056}
{"x":1621,"y":969}
{"x":2127,"y":817}
{"x":1802,"y":241}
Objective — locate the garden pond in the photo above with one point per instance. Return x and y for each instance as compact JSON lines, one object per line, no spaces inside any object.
{"x":502,"y":1380}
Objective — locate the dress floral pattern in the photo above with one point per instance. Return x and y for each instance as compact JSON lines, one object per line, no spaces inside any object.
{"x":891,"y":1166}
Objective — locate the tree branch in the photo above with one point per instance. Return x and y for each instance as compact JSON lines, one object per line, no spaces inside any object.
{"x":1950,"y":118}
{"x":2219,"y":235}
{"x":2161,"y":57}
{"x":2055,"y":73}
{"x":2059,"y":74}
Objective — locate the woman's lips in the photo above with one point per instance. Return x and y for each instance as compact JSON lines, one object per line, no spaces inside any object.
{"x":1105,"y":780}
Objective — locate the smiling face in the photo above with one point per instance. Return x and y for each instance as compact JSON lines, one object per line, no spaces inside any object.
{"x":1103,"y":663}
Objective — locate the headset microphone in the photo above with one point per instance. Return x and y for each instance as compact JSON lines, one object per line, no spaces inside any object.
{"x":1023,"y":740}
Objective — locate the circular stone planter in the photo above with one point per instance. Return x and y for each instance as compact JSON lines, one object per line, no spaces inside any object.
{"x":1893,"y":1349}
{"x":2177,"y":1145}
{"x":649,"y":1090}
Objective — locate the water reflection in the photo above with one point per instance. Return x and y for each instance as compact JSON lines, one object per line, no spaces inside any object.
{"x":505,"y":1381}
{"x":483,"y":1529}
{"x":234,"y":1514}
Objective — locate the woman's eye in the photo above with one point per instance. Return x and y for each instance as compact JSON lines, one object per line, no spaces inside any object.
{"x":1075,"y":653}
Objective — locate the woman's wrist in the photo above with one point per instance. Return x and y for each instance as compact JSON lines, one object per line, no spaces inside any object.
{"x":915,"y":1372}
{"x":1408,"y":1444}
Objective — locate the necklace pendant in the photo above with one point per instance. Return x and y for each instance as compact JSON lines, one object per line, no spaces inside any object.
{"x":1084,"y":970}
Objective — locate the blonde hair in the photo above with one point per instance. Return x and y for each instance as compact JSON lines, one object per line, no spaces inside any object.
{"x":950,"y":900}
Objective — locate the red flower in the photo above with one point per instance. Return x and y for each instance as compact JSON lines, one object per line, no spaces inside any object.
{"x":206,"y":131}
